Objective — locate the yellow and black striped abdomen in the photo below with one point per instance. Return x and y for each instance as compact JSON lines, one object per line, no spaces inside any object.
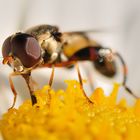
{"x":73,"y":42}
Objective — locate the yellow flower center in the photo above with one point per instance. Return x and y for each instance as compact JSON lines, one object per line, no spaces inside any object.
{"x":67,"y":115}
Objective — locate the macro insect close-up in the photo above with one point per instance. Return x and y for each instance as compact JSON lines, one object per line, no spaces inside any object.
{"x":69,"y":70}
{"x":45,"y":46}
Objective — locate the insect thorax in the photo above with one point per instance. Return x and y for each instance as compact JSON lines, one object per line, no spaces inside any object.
{"x":50,"y":47}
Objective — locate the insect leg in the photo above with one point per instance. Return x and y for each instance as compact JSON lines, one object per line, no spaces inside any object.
{"x":52,"y":75}
{"x":124,"y":74}
{"x":81,"y":83}
{"x":13,"y":89}
{"x":29,"y":83}
{"x":50,"y":84}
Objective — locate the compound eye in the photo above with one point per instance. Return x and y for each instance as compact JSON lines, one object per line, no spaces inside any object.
{"x":105,"y":67}
{"x":6,"y":47}
{"x":26,"y":48}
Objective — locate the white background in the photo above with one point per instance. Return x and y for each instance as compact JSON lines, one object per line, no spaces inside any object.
{"x":120,"y":16}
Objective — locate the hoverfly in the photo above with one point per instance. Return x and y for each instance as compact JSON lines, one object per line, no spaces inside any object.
{"x":45,"y":46}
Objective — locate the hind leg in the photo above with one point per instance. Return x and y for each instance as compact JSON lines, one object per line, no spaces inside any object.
{"x":81,"y":83}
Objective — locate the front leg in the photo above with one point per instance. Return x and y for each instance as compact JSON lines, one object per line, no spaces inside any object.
{"x":29,"y":83}
{"x":13,"y":89}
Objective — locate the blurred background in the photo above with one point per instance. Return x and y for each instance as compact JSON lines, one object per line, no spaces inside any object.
{"x":121,"y":18}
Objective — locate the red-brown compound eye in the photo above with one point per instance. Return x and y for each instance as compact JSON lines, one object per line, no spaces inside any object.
{"x":6,"y":47}
{"x":26,"y":48}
